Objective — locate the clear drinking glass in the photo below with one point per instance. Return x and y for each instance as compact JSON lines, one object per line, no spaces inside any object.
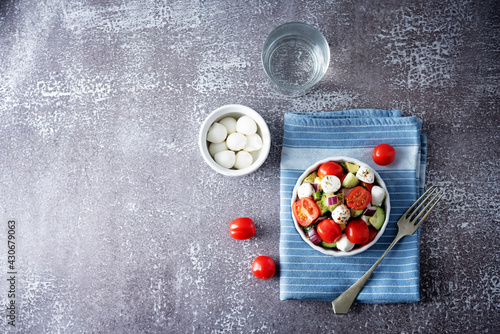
{"x":295,"y":57}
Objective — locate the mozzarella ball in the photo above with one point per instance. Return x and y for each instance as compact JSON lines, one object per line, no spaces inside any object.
{"x":305,"y":190}
{"x":365,"y":174}
{"x":255,"y":155}
{"x":330,"y":183}
{"x":378,"y":195}
{"x":341,"y":214}
{"x":243,"y":160}
{"x":236,"y":141}
{"x":216,"y":133}
{"x":246,"y":125}
{"x":214,"y":148}
{"x":254,"y":143}
{"x":344,"y":244}
{"x":229,"y":123}
{"x":225,"y":158}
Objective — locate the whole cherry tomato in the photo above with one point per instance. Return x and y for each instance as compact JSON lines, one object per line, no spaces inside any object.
{"x":357,"y":231}
{"x":330,"y":168}
{"x":329,"y":231}
{"x":368,"y":186}
{"x":242,"y":228}
{"x":372,"y":233}
{"x":383,"y":154}
{"x":263,"y":267}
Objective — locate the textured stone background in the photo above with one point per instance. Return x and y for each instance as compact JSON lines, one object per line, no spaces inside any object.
{"x":122,"y":228}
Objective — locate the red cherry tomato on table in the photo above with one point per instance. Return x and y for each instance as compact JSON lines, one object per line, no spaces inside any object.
{"x":263,"y":267}
{"x":329,"y":231}
{"x":383,"y":154}
{"x":305,"y":211}
{"x":358,"y":198}
{"x":330,"y":168}
{"x":357,"y":231}
{"x":242,"y":228}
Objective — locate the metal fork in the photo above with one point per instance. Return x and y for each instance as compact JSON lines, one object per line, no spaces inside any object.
{"x":407,"y":225}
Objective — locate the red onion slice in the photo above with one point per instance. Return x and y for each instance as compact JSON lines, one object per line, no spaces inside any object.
{"x":313,"y":236}
{"x":332,"y":200}
{"x":315,"y":186}
{"x":370,"y":211}
{"x":320,"y":219}
{"x":346,"y":191}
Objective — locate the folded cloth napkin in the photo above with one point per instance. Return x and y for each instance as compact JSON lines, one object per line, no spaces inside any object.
{"x":309,"y":137}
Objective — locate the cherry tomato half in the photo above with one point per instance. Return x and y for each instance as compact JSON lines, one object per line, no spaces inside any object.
{"x":242,"y":228}
{"x":305,"y":211}
{"x":383,"y":154}
{"x":329,"y":231}
{"x":357,"y":231}
{"x":330,"y":168}
{"x":263,"y":267}
{"x":358,"y":198}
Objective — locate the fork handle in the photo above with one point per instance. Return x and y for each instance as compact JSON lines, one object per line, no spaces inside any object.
{"x":342,"y":303}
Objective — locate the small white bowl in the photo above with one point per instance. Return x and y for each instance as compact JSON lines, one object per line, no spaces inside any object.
{"x":235,"y":111}
{"x":386,"y":205}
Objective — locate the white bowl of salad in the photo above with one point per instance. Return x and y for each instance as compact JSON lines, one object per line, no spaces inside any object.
{"x":340,"y":206}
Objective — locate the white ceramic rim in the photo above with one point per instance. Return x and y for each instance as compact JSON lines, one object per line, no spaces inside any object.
{"x":387,"y":207}
{"x":235,"y":110}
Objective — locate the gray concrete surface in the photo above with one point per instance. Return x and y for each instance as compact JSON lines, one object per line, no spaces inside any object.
{"x":122,"y":228}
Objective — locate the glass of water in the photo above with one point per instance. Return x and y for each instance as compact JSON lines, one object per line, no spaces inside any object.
{"x":295,"y":57}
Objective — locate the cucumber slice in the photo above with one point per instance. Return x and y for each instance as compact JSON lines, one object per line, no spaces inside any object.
{"x":324,"y":200}
{"x":378,"y":218}
{"x":307,"y":228}
{"x":322,"y":209}
{"x":317,"y":196}
{"x":351,"y":167}
{"x":356,"y":213}
{"x":310,"y":178}
{"x":350,"y":181}
{"x":329,"y":245}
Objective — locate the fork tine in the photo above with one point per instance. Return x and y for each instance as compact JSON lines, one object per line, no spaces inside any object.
{"x":424,"y":201}
{"x":428,"y":208}
{"x":426,"y":194}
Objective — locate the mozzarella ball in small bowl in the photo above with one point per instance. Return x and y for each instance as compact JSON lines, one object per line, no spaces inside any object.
{"x":234,"y":140}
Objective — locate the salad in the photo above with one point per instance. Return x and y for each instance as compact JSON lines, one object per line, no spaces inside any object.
{"x":340,"y":206}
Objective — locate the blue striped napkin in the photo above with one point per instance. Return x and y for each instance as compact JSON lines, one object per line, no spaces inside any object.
{"x":308,"y":137}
